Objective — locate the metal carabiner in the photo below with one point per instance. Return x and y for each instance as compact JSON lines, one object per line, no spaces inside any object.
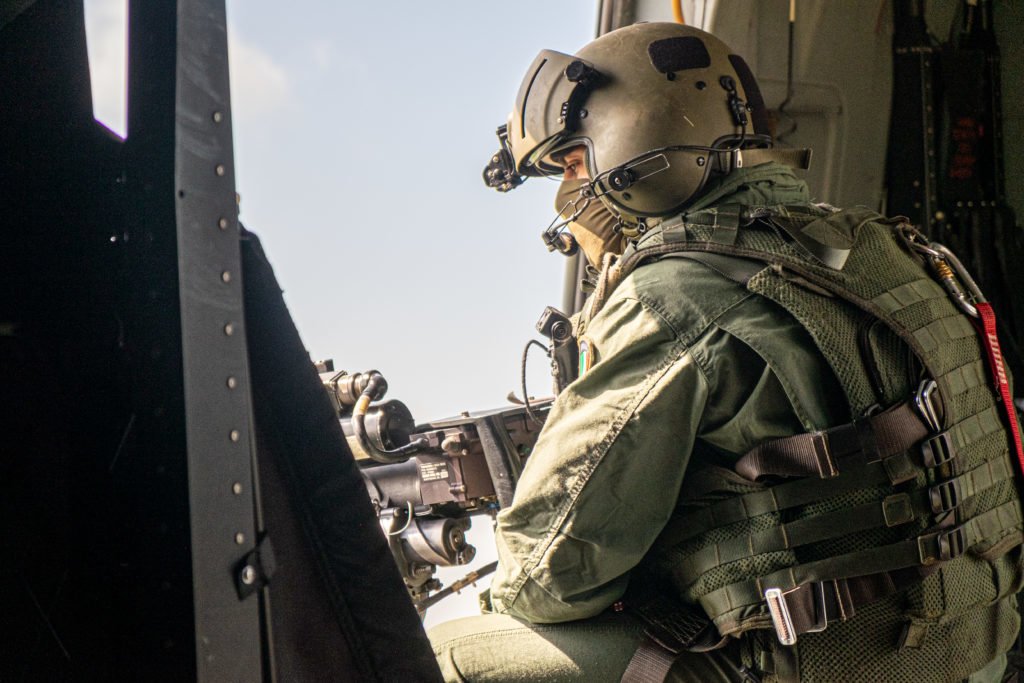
{"x":948,"y":258}
{"x":948,"y":269}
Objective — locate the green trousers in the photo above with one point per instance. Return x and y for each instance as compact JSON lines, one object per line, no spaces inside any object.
{"x":497,"y":647}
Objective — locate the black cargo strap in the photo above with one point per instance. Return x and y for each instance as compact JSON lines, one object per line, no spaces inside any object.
{"x":894,"y":510}
{"x":811,"y":607}
{"x":670,"y":628}
{"x":739,"y":270}
{"x":934,"y":546}
{"x":826,"y":453}
{"x":650,"y":663}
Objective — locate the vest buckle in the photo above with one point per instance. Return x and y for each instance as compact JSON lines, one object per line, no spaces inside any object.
{"x":810,"y":605}
{"x":945,"y":496}
{"x":782,"y":620}
{"x":938,"y":450}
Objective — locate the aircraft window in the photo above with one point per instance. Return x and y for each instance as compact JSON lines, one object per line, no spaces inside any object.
{"x":106,"y":36}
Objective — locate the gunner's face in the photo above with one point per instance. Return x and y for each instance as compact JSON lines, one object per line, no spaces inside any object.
{"x":574,"y":163}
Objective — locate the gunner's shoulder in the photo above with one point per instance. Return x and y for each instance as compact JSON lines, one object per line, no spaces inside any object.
{"x":688,"y":293}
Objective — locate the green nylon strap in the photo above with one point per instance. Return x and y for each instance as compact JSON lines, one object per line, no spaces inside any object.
{"x":896,"y":509}
{"x":926,"y":549}
{"x":806,"y":491}
{"x":774,"y":499}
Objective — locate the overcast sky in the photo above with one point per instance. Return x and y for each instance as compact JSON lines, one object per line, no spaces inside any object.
{"x":361,"y":130}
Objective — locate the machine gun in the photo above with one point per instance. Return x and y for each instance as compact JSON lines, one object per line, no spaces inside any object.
{"x":426,"y":481}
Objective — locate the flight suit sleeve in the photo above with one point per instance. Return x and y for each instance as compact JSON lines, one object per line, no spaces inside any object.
{"x":605,"y":474}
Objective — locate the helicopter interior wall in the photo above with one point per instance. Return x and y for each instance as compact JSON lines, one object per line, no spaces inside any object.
{"x":95,"y":517}
{"x":842,"y":80}
{"x":61,"y":394}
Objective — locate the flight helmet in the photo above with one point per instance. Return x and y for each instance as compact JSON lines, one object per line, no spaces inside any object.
{"x":658,"y":107}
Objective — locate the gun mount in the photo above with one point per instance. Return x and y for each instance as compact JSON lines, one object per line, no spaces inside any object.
{"x":425,"y":481}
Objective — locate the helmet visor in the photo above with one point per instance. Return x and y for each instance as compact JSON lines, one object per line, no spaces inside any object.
{"x":546,"y":112}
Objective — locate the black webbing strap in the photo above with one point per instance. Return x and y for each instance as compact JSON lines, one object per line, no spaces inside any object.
{"x":825,"y":453}
{"x":739,"y":270}
{"x":809,"y":608}
{"x":670,"y":628}
{"x":813,"y":606}
{"x":650,"y":663}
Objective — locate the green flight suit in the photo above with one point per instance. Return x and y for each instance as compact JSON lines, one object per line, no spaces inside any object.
{"x":689,"y":365}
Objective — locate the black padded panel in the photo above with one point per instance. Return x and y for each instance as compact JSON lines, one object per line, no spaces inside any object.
{"x":678,"y":54}
{"x":339,"y":608}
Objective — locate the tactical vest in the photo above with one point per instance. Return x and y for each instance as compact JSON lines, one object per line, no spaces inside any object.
{"x":887,"y":548}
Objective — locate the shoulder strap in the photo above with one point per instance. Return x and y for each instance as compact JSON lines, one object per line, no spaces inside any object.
{"x":739,"y":270}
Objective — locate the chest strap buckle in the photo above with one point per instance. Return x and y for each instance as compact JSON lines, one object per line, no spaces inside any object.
{"x":938,"y":450}
{"x":809,"y":612}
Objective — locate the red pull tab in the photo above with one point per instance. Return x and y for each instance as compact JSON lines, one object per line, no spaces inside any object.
{"x":986,"y":325}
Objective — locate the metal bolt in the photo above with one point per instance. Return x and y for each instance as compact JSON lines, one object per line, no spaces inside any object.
{"x":248,"y":575}
{"x":222,"y":224}
{"x":701,"y":161}
{"x":218,"y":117}
{"x":236,"y":488}
{"x":220,"y":170}
{"x":239,"y":538}
{"x":235,"y":435}
{"x":226,"y":276}
{"x":229,"y":329}
{"x":232,"y":382}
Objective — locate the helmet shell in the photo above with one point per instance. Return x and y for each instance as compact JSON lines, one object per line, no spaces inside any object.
{"x":670,"y":97}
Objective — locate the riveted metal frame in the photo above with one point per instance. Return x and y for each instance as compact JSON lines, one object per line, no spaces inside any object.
{"x":186,"y":330}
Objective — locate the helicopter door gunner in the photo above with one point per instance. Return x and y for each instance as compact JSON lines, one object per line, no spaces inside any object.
{"x":788,"y":456}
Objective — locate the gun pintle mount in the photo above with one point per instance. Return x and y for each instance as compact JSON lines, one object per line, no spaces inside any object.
{"x":425,"y":481}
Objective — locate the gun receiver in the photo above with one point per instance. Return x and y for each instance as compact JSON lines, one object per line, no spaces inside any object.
{"x":425,"y":481}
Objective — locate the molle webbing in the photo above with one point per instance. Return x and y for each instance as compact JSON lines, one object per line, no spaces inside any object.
{"x":885,"y":503}
{"x":927,"y":549}
{"x":894,"y":510}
